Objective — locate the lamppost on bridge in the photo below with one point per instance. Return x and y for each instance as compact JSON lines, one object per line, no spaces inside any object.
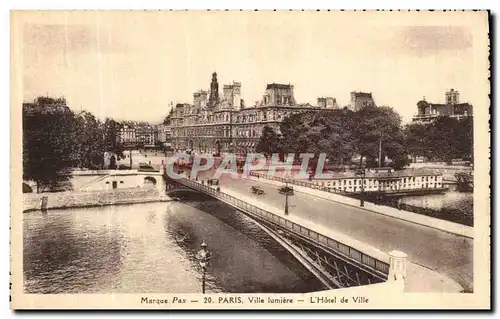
{"x":286,"y":199}
{"x":204,"y":256}
{"x":362,"y":172}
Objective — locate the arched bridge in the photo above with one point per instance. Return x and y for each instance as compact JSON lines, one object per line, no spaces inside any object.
{"x":335,"y":262}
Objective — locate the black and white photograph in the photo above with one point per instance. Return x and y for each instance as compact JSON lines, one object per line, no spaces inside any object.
{"x":250,"y":159}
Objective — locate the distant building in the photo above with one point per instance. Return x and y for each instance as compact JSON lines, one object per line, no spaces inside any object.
{"x":360,"y":100}
{"x":427,"y":112}
{"x":127,"y":135}
{"x":384,"y":181}
{"x":327,"y":102}
{"x":145,"y":134}
{"x":46,"y":105}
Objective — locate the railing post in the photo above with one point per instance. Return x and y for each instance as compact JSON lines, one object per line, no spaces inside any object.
{"x":397,"y":265}
{"x":43,"y":203}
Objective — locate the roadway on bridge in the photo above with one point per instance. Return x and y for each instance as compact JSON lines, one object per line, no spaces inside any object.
{"x":446,"y":253}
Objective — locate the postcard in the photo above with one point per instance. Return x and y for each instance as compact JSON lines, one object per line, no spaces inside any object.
{"x":250,"y":160}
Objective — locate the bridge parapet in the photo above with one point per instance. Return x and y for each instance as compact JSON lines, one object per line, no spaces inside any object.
{"x":378,"y":266}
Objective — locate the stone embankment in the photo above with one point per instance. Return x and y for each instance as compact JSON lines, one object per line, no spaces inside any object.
{"x":33,"y":201}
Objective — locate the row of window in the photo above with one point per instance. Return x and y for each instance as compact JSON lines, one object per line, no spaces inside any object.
{"x":220,"y":118}
{"x":372,"y":183}
{"x":379,"y":187}
{"x":222,"y":132}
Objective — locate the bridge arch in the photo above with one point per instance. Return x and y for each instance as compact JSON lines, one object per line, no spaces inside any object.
{"x":27,"y":188}
{"x":149,"y":181}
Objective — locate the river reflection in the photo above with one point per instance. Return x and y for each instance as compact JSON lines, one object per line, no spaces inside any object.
{"x":451,"y":199}
{"x":151,"y":248}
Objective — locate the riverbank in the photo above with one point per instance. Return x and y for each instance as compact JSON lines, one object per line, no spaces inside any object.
{"x":124,"y":196}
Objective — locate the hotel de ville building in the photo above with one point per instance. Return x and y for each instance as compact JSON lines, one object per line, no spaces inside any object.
{"x":220,"y":122}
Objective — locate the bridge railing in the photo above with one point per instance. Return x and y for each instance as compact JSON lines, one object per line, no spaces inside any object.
{"x":339,"y":247}
{"x":301,"y":183}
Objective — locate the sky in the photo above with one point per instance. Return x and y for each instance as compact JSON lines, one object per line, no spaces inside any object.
{"x":131,"y":65}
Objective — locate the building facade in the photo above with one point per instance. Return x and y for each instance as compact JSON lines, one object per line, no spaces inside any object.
{"x":327,"y":102}
{"x":360,"y":100}
{"x":385,"y":182}
{"x":127,"y":134}
{"x":219,"y":124}
{"x":428,"y":112}
{"x":145,"y":134}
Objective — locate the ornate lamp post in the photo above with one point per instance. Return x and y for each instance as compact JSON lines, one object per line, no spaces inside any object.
{"x":204,"y":256}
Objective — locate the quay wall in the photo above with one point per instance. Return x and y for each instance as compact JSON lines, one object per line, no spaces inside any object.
{"x":32,"y":201}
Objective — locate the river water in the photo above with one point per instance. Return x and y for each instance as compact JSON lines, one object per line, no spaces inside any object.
{"x":451,"y":199}
{"x":152,"y":247}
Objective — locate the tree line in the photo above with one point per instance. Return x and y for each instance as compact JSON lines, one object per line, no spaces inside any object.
{"x":55,"y":141}
{"x":343,"y":134}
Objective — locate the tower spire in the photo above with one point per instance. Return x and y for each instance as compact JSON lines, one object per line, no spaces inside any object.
{"x":214,"y":90}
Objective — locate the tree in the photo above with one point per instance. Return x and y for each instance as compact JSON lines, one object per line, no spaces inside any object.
{"x":342,"y":133}
{"x":416,"y":140}
{"x":444,"y":139}
{"x":111,"y":141}
{"x":327,"y":131}
{"x":48,"y":146}
{"x":293,"y":130}
{"x":269,"y":142}
{"x":89,"y":143}
{"x":375,"y":127}
{"x":465,"y":135}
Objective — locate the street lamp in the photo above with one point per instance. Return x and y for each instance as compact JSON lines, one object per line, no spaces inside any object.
{"x":286,"y":199}
{"x":362,"y":173}
{"x":203,"y":256}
